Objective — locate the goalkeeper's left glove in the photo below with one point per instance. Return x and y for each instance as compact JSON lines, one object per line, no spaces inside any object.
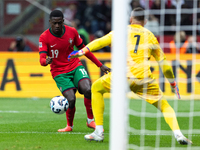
{"x":175,"y":89}
{"x":78,"y":53}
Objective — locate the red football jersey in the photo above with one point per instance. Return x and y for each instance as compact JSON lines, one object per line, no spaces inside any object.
{"x":59,"y":48}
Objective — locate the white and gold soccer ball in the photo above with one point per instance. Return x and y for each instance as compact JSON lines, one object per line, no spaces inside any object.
{"x":59,"y":104}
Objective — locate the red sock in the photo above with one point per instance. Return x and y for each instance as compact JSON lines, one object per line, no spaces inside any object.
{"x":88,"y":107}
{"x":70,"y":116}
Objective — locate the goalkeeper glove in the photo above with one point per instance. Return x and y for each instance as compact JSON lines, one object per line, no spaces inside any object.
{"x":78,"y":53}
{"x":175,"y":89}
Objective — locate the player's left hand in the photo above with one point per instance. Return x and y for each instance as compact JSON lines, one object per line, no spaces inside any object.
{"x":175,"y":89}
{"x":105,"y":69}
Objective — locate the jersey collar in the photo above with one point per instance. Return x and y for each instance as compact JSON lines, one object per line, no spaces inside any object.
{"x":57,"y":35}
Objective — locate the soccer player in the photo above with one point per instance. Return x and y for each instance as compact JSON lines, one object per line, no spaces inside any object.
{"x":141,"y":45}
{"x":55,"y":44}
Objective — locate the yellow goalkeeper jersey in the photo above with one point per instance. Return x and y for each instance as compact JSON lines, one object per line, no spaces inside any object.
{"x":141,"y":44}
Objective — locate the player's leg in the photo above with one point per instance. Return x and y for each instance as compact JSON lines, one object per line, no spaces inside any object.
{"x":85,"y":89}
{"x":171,"y":120}
{"x":83,"y":84}
{"x":99,"y":87}
{"x":68,"y":90}
{"x":154,"y":96}
{"x":168,"y":113}
{"x":70,"y":95}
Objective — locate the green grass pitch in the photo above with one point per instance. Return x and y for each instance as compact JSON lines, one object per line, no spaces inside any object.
{"x":29,"y":124}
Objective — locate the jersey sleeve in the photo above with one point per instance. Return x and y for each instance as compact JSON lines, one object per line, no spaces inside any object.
{"x":101,"y":42}
{"x":42,"y":50}
{"x":78,"y":40}
{"x":156,"y":50}
{"x":159,"y":55}
{"x":167,"y":70}
{"x":42,"y":44}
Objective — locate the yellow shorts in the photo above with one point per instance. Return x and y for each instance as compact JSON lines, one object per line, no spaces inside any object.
{"x":149,"y":91}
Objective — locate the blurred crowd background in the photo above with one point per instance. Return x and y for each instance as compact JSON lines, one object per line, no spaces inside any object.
{"x":22,"y":22}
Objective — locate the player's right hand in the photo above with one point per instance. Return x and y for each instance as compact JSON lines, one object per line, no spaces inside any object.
{"x":75,"y":54}
{"x":175,"y":89}
{"x":49,"y":60}
{"x":79,"y":53}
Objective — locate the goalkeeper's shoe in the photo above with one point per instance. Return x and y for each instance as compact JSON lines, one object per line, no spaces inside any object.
{"x":94,"y":136}
{"x":91,"y":125}
{"x":183,"y":140}
{"x":66,"y":129}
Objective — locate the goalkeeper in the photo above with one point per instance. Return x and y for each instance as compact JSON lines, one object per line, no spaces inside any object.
{"x":141,"y":45}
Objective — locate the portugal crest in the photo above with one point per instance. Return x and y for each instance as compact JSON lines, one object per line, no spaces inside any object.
{"x":70,"y":42}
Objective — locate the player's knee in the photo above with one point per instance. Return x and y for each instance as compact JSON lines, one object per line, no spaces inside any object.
{"x":163,"y":106}
{"x":72,"y":101}
{"x":70,"y":96}
{"x":87,"y":93}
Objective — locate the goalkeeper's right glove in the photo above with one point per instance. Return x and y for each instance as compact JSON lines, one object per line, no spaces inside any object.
{"x":175,"y":89}
{"x":79,"y":53}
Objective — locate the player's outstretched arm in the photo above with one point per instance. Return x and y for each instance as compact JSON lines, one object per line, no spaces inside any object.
{"x":168,"y":73}
{"x":92,"y":46}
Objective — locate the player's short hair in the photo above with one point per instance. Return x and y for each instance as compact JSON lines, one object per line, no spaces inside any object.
{"x":56,"y":13}
{"x":138,"y":14}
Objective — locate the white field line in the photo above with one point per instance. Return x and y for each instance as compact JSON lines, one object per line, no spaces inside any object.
{"x":36,"y":112}
{"x":15,"y":111}
{"x":35,"y":132}
{"x":26,"y":112}
{"x":76,"y":133}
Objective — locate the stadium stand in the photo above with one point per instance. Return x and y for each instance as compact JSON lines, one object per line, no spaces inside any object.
{"x":6,"y":43}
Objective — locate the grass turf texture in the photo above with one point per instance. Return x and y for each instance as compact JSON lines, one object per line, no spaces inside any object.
{"x":30,"y":125}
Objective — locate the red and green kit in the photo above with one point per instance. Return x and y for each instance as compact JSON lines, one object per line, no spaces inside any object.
{"x":59,"y":47}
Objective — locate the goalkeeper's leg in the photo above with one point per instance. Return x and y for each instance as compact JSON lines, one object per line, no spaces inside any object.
{"x":168,"y":113}
{"x":154,"y":96}
{"x":171,"y":120}
{"x":98,"y":109}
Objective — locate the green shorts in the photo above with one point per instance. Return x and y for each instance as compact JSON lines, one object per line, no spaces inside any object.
{"x":71,"y":79}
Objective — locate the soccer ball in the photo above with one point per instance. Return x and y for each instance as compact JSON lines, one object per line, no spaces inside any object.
{"x":59,"y":104}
